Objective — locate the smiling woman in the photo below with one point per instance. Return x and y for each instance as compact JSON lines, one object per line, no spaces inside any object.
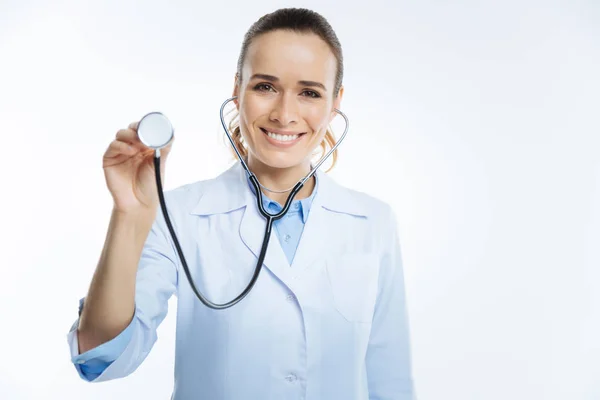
{"x":287,"y":89}
{"x":291,"y":56}
{"x":327,"y":317}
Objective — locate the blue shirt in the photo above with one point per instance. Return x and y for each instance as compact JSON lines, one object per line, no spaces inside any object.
{"x":327,"y":318}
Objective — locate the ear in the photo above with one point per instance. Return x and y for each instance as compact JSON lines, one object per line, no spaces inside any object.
{"x":337,"y":102}
{"x":236,"y":91}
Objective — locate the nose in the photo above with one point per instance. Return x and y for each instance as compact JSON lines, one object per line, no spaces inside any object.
{"x":284,"y":110}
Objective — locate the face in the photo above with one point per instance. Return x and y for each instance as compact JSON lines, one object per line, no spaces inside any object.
{"x":285,"y":98}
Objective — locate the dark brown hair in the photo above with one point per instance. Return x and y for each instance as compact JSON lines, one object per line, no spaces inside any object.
{"x":298,"y":20}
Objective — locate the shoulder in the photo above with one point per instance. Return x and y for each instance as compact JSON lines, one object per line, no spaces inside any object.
{"x":338,"y":197}
{"x":372,"y":223}
{"x":222,"y":193}
{"x":185,"y":197}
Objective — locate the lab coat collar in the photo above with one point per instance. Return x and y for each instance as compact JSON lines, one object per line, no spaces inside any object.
{"x":230,"y":191}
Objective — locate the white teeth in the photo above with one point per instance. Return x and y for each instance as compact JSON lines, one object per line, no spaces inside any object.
{"x":282,"y":138}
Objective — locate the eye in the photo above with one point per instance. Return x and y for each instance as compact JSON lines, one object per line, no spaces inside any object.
{"x":311,"y":93}
{"x":263,"y":87}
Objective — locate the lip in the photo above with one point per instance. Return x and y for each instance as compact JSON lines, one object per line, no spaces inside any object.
{"x":277,"y":143}
{"x":280,"y":132}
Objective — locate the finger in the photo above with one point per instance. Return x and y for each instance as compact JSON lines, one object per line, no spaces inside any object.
{"x":118,"y":147}
{"x":134,"y":125}
{"x":130,"y":136}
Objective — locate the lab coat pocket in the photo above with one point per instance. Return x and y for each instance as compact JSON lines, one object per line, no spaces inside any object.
{"x":353,"y":279}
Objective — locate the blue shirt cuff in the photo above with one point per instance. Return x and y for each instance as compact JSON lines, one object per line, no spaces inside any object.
{"x":94,"y":361}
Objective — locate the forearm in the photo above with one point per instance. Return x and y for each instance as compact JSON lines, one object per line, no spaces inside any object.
{"x":110,"y":303}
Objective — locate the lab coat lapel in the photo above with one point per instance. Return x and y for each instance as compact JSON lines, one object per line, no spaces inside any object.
{"x":252,"y":230}
{"x":313,"y":242}
{"x":231,"y":191}
{"x":322,"y":230}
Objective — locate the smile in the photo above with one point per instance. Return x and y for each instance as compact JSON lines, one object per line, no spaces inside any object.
{"x":282,"y":139}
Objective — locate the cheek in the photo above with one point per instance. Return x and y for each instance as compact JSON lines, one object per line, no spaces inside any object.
{"x":318,"y":119}
{"x":247,"y":111}
{"x":250,"y":107}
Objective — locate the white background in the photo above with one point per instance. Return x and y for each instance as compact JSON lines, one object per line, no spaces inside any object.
{"x":477,"y":120}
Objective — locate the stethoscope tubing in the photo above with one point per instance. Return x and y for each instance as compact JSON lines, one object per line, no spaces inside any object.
{"x":270,"y":218}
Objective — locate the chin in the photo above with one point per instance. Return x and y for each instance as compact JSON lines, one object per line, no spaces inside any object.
{"x":280,"y":160}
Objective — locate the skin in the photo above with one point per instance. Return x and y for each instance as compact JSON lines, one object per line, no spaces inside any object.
{"x":274,"y":94}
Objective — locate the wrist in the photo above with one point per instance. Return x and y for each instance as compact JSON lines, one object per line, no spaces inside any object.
{"x":138,"y":215}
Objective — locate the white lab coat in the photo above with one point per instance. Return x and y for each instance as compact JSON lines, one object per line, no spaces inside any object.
{"x":333,"y":325}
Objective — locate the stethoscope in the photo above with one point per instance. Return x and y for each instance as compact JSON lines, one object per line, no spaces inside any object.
{"x":156,"y":131}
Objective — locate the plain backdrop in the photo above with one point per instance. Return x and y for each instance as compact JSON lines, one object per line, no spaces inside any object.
{"x":478,"y":121}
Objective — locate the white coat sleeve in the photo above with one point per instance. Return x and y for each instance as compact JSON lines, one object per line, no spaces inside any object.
{"x":388,"y":359}
{"x":156,"y":282}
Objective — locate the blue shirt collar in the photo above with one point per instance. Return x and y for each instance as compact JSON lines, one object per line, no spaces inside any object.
{"x":301,"y":207}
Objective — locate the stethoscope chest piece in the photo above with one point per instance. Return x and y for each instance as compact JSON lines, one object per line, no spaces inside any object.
{"x":155,"y":130}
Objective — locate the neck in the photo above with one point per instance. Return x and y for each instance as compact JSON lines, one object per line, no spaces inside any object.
{"x":282,"y":179}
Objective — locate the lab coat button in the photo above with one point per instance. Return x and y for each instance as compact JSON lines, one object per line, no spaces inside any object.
{"x":291,"y":378}
{"x":290,"y":297}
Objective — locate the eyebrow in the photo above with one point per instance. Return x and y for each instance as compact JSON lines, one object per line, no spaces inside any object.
{"x":272,"y":78}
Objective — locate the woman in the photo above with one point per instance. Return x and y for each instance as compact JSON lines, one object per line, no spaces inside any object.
{"x":327,"y":317}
